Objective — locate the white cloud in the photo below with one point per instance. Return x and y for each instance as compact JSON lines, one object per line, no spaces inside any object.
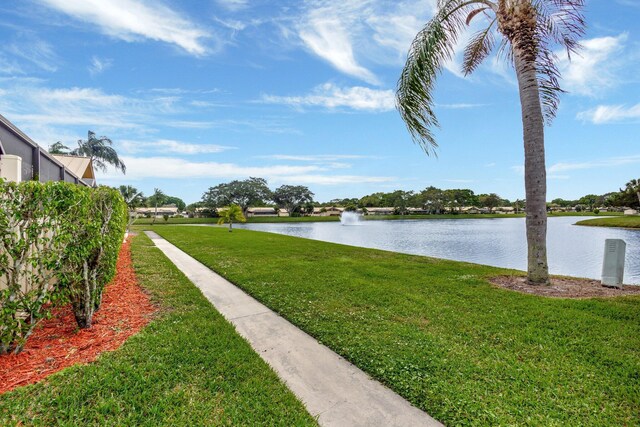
{"x":99,"y":65}
{"x":327,"y":37}
{"x":131,"y":20}
{"x":593,"y":164}
{"x":331,"y":96}
{"x":171,"y":146}
{"x":604,"y":114}
{"x":594,"y":69}
{"x":175,"y":168}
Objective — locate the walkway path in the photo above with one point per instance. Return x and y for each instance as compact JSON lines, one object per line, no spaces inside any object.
{"x":331,"y":388}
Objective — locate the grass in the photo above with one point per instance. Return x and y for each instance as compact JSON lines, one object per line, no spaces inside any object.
{"x":188,"y":367}
{"x":270,"y":219}
{"x":438,"y":333}
{"x":622,"y":221}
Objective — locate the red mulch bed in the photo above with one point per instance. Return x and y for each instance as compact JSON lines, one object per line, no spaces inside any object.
{"x":56,"y":343}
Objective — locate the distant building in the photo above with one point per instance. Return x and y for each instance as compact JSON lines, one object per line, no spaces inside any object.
{"x":170,"y":210}
{"x":251,"y":212}
{"x":630,"y":212}
{"x":381,"y":211}
{"x":21,"y":159}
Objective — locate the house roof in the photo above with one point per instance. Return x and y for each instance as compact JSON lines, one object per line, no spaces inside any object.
{"x":80,"y":166}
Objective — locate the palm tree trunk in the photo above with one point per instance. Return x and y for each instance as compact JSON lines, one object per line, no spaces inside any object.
{"x":535,"y":174}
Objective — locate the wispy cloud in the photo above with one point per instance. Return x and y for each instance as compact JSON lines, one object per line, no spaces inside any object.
{"x":33,"y":50}
{"x":604,"y":114}
{"x":131,"y":20}
{"x":461,"y":106}
{"x":593,"y":164}
{"x":98,"y":65}
{"x":331,"y":96}
{"x":595,"y":68}
{"x":266,"y":124}
{"x":176,"y":168}
{"x":171,"y":146}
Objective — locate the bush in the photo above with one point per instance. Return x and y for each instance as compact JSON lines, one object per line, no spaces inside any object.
{"x":596,"y":211}
{"x":97,"y":228}
{"x":32,"y":242}
{"x":57,"y":241}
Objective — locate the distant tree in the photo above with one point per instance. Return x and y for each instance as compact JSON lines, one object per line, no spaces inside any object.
{"x":132,"y":197}
{"x":308,"y":208}
{"x":633,"y":187}
{"x":172,"y":200}
{"x":246,"y":193}
{"x":432,"y":199}
{"x":490,"y":201}
{"x":58,"y":148}
{"x":100,"y":151}
{"x":518,"y":205}
{"x":157,"y":199}
{"x":292,"y":197}
{"x":589,"y":201}
{"x":230,"y":214}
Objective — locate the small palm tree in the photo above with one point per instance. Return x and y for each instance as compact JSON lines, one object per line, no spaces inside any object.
{"x":230,"y":214}
{"x":100,"y":151}
{"x":633,"y":186}
{"x":158,"y":198}
{"x":527,"y":31}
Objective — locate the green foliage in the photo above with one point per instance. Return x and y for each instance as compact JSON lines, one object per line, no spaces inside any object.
{"x":293,"y":198}
{"x":626,"y":221}
{"x":96,"y":226}
{"x":230,"y":214}
{"x":32,"y":241}
{"x":57,"y":241}
{"x":246,"y":193}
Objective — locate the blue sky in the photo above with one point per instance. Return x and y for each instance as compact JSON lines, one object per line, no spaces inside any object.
{"x":194,"y":93}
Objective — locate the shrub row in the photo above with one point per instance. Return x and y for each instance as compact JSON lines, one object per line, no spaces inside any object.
{"x":58,"y":242}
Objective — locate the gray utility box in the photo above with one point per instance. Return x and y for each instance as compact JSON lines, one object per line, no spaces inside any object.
{"x":613,"y":265}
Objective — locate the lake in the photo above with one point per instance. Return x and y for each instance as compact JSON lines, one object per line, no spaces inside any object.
{"x":501,"y":242}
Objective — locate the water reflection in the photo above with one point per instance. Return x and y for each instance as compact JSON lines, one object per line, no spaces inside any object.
{"x":573,"y":250}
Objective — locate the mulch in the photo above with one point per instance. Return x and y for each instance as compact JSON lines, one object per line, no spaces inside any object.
{"x":564,"y":287}
{"x":56,"y":343}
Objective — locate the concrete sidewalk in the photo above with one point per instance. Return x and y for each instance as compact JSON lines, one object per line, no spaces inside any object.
{"x":331,"y":388}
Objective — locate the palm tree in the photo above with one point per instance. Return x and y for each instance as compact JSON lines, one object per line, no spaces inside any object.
{"x":58,"y":148}
{"x":230,"y":214}
{"x":633,"y":186}
{"x":100,"y":151}
{"x":527,"y":31}
{"x":132,"y":197}
{"x":158,"y":198}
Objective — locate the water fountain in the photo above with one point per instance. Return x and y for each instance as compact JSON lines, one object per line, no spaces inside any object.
{"x":350,"y":218}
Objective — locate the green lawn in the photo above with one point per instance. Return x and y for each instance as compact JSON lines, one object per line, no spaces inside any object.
{"x":621,"y":221}
{"x":187,"y":368}
{"x":438,"y":334}
{"x":269,"y":219}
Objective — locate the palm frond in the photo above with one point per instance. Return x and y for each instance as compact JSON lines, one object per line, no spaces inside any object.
{"x":478,"y":49}
{"x":430,"y":50}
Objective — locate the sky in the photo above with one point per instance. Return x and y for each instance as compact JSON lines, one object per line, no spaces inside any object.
{"x":194,"y":93}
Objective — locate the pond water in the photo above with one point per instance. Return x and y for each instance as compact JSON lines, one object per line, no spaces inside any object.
{"x":572,"y":250}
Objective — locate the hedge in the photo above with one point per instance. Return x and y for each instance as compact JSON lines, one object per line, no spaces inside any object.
{"x":58,"y":242}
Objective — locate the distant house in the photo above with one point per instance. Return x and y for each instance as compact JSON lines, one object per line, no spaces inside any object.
{"x":630,"y":212}
{"x":255,"y":212}
{"x":381,"y":211}
{"x":21,"y":159}
{"x":328,"y":211}
{"x":170,"y":210}
{"x":506,"y":209}
{"x":418,"y":211}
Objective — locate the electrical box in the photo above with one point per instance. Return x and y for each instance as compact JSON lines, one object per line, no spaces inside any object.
{"x":613,"y":265}
{"x":11,"y":167}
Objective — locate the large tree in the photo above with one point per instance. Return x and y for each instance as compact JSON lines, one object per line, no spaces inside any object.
{"x":246,"y":193}
{"x":100,"y":151}
{"x":527,"y":32}
{"x":292,"y":197}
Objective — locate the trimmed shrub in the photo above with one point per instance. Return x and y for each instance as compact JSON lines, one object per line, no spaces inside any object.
{"x":32,"y":241}
{"x":97,"y":228}
{"x":58,"y":241}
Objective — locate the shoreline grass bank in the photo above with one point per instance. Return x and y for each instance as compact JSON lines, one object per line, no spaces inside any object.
{"x":175,"y":221}
{"x":188,"y":367}
{"x":620,"y":222}
{"x":438,"y":333}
